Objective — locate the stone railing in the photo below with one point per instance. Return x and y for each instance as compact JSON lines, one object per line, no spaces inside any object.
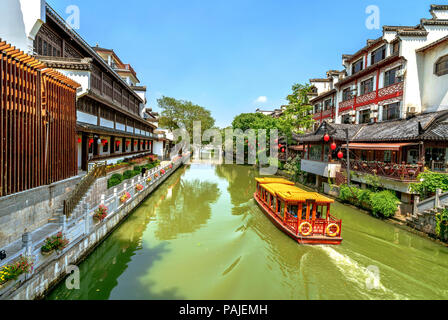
{"x":438,"y":201}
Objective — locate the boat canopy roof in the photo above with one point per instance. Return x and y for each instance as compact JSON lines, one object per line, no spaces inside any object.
{"x":290,"y":193}
{"x":273,"y":180}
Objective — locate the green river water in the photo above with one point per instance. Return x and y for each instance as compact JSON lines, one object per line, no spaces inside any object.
{"x":201,"y":236}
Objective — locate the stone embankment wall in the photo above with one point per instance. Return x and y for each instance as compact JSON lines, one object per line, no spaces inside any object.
{"x":55,"y":268}
{"x":31,"y":209}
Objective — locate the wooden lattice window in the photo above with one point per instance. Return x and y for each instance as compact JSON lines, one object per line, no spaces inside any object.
{"x":441,"y":66}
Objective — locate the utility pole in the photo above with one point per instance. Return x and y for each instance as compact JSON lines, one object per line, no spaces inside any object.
{"x":348,"y":156}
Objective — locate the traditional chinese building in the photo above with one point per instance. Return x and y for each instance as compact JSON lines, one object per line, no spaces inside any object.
{"x":110,"y":105}
{"x":324,"y":97}
{"x":387,"y":78}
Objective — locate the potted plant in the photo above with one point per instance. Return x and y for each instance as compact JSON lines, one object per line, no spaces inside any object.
{"x":162,"y":172}
{"x":138,"y":187}
{"x":100,"y":213}
{"x":54,"y":243}
{"x":171,"y":166}
{"x":148,"y":181}
{"x":156,"y":175}
{"x":11,"y":272}
{"x":125,"y":197}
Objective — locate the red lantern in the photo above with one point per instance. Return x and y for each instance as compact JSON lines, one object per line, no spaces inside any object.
{"x":326,"y":138}
{"x":79,"y":140}
{"x":128,"y":143}
{"x":283,"y":150}
{"x":340,"y":155}
{"x":333,"y":146}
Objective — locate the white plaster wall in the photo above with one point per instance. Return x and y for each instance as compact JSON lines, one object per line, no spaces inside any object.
{"x":435,"y":88}
{"x":158,"y":148}
{"x":86,"y":118}
{"x":81,"y":77}
{"x":413,"y":94}
{"x":20,"y":21}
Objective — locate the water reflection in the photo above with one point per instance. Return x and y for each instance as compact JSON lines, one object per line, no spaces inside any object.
{"x":187,"y":209}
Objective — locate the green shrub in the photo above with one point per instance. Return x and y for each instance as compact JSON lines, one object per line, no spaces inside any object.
{"x":138,"y":168}
{"x":384,"y":204}
{"x":442,"y":224}
{"x":350,"y":195}
{"x":429,"y":183}
{"x":364,"y":199}
{"x":115,"y":180}
{"x":128,"y":174}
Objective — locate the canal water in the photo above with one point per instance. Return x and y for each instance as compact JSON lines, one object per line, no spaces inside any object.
{"x":201,"y":236}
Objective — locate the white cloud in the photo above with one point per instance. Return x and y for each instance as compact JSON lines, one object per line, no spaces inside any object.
{"x":261,"y":99}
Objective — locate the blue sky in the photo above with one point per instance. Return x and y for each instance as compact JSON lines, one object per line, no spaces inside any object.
{"x":224,"y":55}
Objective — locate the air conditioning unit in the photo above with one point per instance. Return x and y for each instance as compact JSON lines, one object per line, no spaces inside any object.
{"x":352,"y":112}
{"x":400,"y":73}
{"x":374,"y":108}
{"x":412,"y":110}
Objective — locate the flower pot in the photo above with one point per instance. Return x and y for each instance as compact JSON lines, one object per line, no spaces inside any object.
{"x":97,"y":220}
{"x":47,"y":253}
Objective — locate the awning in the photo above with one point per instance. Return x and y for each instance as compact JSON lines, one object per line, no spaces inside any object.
{"x":378,"y":146}
{"x":296,"y":148}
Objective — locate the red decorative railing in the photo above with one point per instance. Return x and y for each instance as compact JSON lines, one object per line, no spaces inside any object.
{"x":393,"y":90}
{"x":404,"y":172}
{"x":365,"y":98}
{"x":344,"y":105}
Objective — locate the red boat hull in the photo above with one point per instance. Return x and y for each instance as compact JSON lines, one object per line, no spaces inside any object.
{"x":312,"y":240}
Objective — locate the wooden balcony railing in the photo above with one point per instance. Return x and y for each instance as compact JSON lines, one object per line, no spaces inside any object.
{"x":403,"y":172}
{"x":439,"y":166}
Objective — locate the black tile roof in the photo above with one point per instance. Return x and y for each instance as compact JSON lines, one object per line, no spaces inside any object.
{"x":427,"y":126}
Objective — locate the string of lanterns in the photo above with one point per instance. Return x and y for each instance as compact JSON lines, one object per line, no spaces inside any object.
{"x":333,"y":146}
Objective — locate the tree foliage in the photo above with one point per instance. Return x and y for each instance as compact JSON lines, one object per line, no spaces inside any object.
{"x":177,"y":113}
{"x":296,"y":117}
{"x":429,"y":183}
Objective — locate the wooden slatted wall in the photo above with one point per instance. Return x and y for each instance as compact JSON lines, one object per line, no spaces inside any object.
{"x":37,"y":123}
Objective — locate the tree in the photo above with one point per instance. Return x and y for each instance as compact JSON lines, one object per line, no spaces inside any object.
{"x":179,"y":112}
{"x":296,"y":117}
{"x":255,"y":121}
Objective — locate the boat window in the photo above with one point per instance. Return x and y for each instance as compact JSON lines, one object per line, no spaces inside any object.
{"x":293,"y":210}
{"x":304,"y":212}
{"x":319,"y":211}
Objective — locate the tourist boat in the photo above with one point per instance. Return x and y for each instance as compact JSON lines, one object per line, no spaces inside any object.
{"x":304,"y":216}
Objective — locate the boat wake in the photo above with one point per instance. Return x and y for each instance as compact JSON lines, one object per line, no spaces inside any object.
{"x":365,"y":278}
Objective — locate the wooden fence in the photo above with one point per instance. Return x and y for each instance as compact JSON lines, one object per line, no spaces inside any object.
{"x":37,"y":123}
